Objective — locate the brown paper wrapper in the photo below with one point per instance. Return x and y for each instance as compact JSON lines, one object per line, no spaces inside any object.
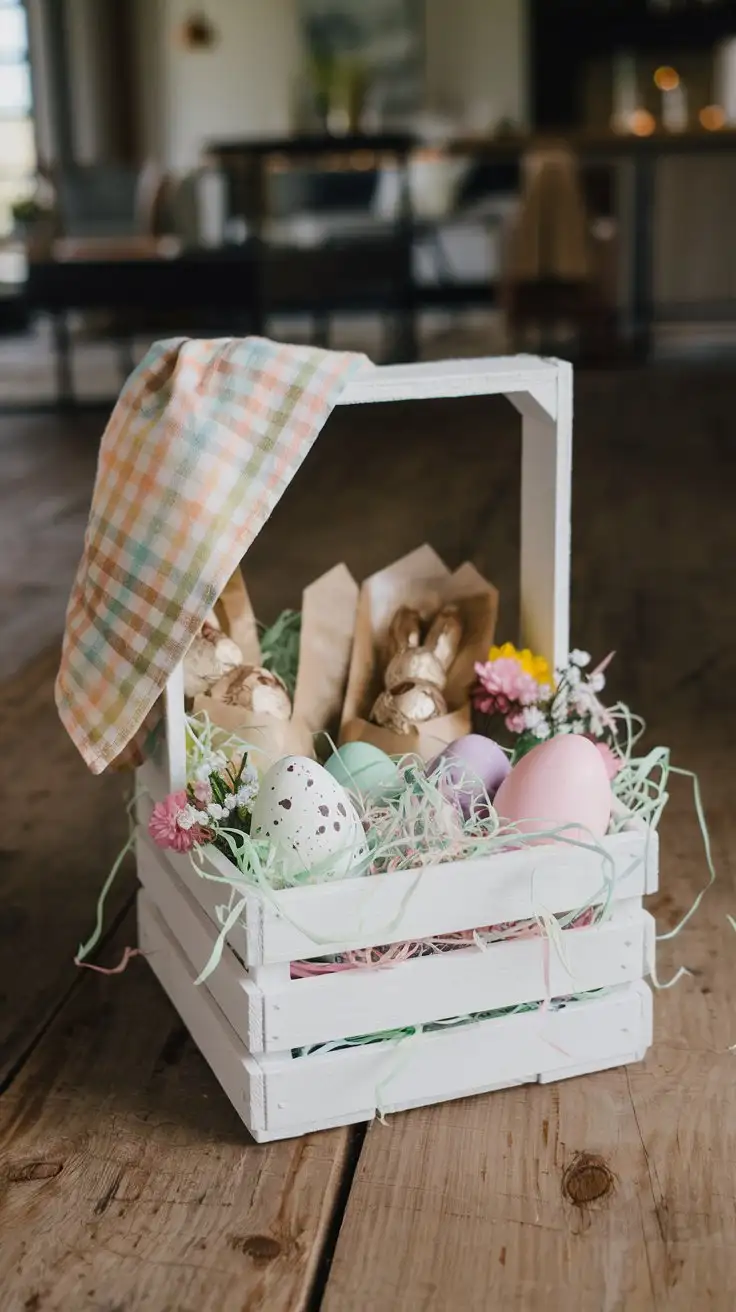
{"x":422,"y":581}
{"x":329,"y":608}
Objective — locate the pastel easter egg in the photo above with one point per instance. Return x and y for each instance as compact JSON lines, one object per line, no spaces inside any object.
{"x":471,"y":767}
{"x":562,"y":780}
{"x":365,"y":769}
{"x":310,"y":822}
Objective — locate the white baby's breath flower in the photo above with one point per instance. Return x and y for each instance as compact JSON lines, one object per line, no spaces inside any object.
{"x":216,"y":811}
{"x":533,"y":717}
{"x":201,"y":817}
{"x":246,"y":794}
{"x":578,"y":657}
{"x":578,"y":726}
{"x":597,"y":682}
{"x":564,"y":728}
{"x":186,"y":817}
{"x":542,"y":731}
{"x":573,"y":676}
{"x":560,"y":710}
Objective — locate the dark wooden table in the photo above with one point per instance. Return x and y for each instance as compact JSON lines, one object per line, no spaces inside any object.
{"x":199,"y":285}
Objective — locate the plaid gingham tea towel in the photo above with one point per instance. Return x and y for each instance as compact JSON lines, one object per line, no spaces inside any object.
{"x":203,"y":442}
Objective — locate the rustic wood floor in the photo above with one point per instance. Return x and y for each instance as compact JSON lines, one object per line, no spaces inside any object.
{"x":126,"y":1180}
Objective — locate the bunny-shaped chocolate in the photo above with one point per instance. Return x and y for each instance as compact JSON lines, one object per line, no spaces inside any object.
{"x":416,"y":674}
{"x":429,"y":662}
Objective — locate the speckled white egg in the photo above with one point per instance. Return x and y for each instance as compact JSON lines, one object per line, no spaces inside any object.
{"x":310,"y":822}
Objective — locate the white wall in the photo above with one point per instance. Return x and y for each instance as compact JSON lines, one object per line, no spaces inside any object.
{"x":248,"y":82}
{"x":476,"y":59}
{"x":243,"y":85}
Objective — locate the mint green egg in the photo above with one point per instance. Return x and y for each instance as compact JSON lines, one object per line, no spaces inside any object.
{"x":363,"y":768}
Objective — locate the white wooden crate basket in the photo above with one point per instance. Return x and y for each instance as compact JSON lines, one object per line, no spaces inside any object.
{"x":252,"y":1020}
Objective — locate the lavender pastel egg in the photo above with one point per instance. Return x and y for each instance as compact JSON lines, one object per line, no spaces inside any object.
{"x":472,"y":767}
{"x":563,"y":781}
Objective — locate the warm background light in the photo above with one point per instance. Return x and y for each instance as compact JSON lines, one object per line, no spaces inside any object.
{"x":712,"y":117}
{"x":642,"y":123}
{"x":666,"y":78}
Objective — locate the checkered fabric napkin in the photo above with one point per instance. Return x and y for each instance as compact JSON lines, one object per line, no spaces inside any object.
{"x":203,"y":442}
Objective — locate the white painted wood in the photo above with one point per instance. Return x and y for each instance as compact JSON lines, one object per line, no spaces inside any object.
{"x":302,"y":923}
{"x":237,"y":1072}
{"x":216,"y":897}
{"x":238,"y":995}
{"x":176,"y":747}
{"x":309,"y":922}
{"x":542,"y":392}
{"x":455,"y":1062}
{"x":546,"y":482}
{"x":496,"y":375}
{"x":317,"y":1009}
{"x":278,"y":1098}
{"x":270,"y":1012}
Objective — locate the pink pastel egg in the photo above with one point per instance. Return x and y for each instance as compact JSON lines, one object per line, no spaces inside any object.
{"x":562,"y":780}
{"x":472,"y":767}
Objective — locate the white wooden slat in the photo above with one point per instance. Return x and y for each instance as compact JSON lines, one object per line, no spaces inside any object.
{"x":215,"y":897}
{"x":496,"y":375}
{"x":240,"y":1076}
{"x":456,"y":1062}
{"x":279,"y":1013}
{"x":546,"y":482}
{"x":314,"y":1010}
{"x":176,"y":750}
{"x":313,"y":921}
{"x":234,"y":992}
{"x":341,"y":1087}
{"x":303,"y":923}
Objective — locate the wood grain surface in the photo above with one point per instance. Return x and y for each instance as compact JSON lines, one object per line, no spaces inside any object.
{"x":126,"y":1181}
{"x":60,"y":831}
{"x":615,"y":1191}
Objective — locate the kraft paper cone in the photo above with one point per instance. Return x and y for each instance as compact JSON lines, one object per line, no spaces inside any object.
{"x":328,"y":619}
{"x":423,"y":581}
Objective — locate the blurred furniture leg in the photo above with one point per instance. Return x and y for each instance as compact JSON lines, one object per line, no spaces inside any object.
{"x":321,"y":330}
{"x":63,"y":355}
{"x":126,"y":360}
{"x":556,"y":276}
{"x":642,"y":261}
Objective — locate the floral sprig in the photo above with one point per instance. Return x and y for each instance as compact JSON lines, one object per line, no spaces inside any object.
{"x":519,"y":687}
{"x":218,"y":799}
{"x":513,"y":683}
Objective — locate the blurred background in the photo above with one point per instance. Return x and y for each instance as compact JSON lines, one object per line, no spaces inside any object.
{"x":409,"y":177}
{"x":416,"y":179}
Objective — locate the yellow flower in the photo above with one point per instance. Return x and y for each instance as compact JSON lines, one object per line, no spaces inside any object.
{"x":537,"y":666}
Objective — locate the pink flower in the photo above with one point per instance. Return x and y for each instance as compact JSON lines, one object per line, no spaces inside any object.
{"x":202,"y":792}
{"x":515,"y":723}
{"x":503,"y":685}
{"x":612,"y":762}
{"x":505,"y":676}
{"x":164,"y":826}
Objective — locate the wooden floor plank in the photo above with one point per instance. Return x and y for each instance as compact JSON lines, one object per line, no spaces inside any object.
{"x":612,"y":1191}
{"x":128,"y":1182}
{"x":61,"y":831}
{"x":615,"y":1191}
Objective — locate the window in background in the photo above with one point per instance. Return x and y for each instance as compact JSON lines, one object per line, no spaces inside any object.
{"x":17,"y":145}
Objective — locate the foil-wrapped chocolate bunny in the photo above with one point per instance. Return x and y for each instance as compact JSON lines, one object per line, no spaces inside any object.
{"x":416,"y":674}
